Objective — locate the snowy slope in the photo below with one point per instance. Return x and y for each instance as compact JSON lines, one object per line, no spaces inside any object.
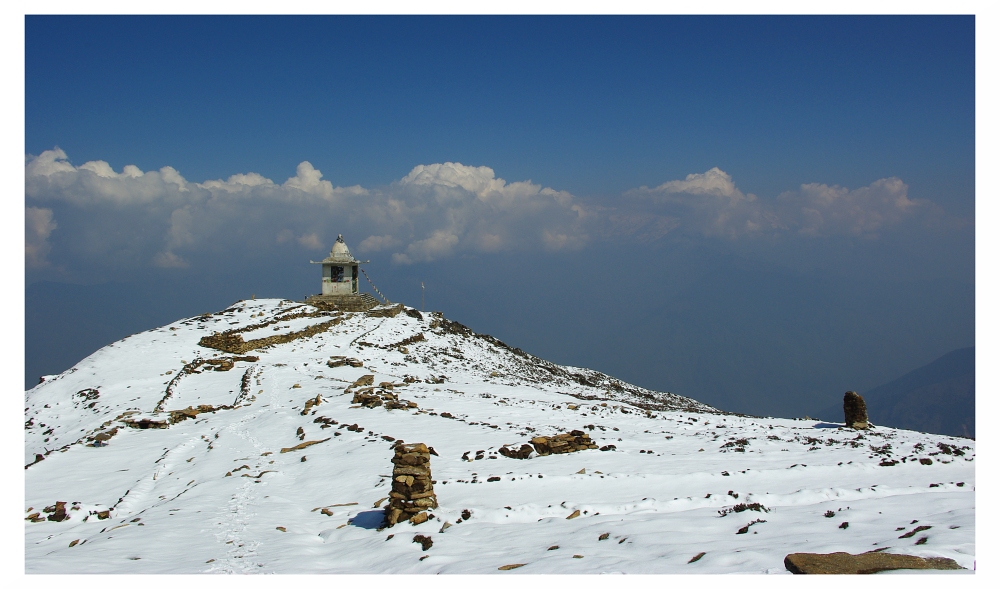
{"x":215,"y":493}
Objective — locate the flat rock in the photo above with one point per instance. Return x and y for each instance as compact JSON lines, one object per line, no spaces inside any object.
{"x":842,"y":563}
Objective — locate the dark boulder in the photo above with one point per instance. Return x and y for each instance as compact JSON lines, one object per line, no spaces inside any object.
{"x":855,"y":412}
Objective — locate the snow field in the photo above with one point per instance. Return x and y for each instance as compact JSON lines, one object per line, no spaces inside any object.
{"x":657,"y":496}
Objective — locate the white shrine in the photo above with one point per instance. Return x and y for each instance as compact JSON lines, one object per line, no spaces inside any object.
{"x":340,"y":281}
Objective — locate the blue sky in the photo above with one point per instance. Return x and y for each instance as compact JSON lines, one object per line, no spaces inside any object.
{"x":592,"y":105}
{"x":693,"y":163}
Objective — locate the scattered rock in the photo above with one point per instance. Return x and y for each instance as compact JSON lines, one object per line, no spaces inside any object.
{"x":746,"y":528}
{"x":371,"y":398}
{"x":74,"y":543}
{"x":741,"y":507}
{"x":365,"y":381}
{"x":524,"y":452}
{"x":303,"y":445}
{"x":281,"y":529}
{"x":575,"y":514}
{"x":855,"y":412}
{"x":604,"y":536}
{"x":419,"y":518}
{"x":310,"y":403}
{"x":926,"y":461}
{"x":553,"y":547}
{"x":508,"y":567}
{"x":424,"y":541}
{"x":57,"y":511}
{"x":915,"y":531}
{"x":843,"y":526}
{"x":842,"y":563}
{"x":696,"y":557}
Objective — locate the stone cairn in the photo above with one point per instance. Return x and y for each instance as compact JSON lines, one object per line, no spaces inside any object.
{"x":855,"y":412}
{"x":412,"y":488}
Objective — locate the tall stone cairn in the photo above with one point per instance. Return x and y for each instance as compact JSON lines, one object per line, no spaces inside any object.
{"x":412,"y":489}
{"x":855,"y":412}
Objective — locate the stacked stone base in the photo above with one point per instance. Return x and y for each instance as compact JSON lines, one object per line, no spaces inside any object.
{"x":353,"y":303}
{"x":412,"y":488}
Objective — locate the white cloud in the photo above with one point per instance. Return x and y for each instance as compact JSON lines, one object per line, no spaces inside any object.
{"x":311,"y":241}
{"x":377,"y":243}
{"x":439,"y":245}
{"x":710,"y":204}
{"x":307,"y":179}
{"x":169,"y":260}
{"x":434,"y":212}
{"x":714,"y":182}
{"x":819,"y":209}
{"x":38,"y":226}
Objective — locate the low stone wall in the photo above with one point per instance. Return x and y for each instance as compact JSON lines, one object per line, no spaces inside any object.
{"x":574,"y":441}
{"x":232,"y":342}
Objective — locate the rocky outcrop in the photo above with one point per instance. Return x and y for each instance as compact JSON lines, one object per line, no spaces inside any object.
{"x":842,"y":563}
{"x":855,"y":412}
{"x":412,"y":488}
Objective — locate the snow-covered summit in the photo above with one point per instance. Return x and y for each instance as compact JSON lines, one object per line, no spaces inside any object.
{"x":174,"y":450}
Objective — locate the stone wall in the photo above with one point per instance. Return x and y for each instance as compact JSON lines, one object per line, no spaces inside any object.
{"x":354,"y":303}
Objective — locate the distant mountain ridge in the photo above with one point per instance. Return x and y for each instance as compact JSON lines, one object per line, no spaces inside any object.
{"x":938,"y":398}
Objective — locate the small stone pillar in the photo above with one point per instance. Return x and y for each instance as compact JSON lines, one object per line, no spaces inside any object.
{"x":412,"y":488}
{"x":855,"y":412}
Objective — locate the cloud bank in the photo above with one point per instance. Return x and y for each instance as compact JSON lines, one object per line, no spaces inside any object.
{"x":158,"y":218}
